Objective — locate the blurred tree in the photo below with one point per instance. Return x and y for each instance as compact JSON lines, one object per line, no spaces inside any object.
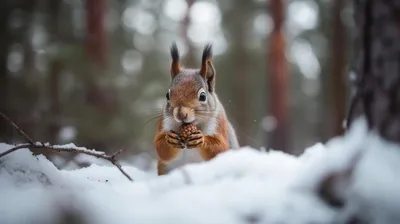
{"x":28,"y":66}
{"x":241,"y":65}
{"x":16,"y":19}
{"x":339,"y":58}
{"x":278,"y":79}
{"x":56,"y":65}
{"x":101,"y":97}
{"x":324,"y":128}
{"x":96,"y":38}
{"x":376,"y":83}
{"x":5,"y":11}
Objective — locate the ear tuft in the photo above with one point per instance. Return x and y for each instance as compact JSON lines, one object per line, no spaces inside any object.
{"x":210,"y":76}
{"x":207,"y":70}
{"x":175,"y":65}
{"x":207,"y":55}
{"x":174,"y":52}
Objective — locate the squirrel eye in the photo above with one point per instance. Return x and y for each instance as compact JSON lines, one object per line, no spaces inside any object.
{"x":202,"y":97}
{"x":167,"y":96}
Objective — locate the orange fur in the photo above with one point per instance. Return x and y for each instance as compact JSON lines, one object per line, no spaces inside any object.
{"x":161,"y":168}
{"x":164,"y":150}
{"x":212,"y":145}
{"x":203,"y":68}
{"x":218,"y":143}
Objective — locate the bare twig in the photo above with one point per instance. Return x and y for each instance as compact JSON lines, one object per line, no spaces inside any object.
{"x":60,"y":148}
{"x":17,"y":128}
{"x":21,"y":146}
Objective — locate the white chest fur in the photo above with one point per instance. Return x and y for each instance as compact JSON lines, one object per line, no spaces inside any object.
{"x":186,"y":156}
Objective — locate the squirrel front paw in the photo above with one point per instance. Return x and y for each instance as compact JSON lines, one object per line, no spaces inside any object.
{"x":195,"y":140}
{"x":174,"y":140}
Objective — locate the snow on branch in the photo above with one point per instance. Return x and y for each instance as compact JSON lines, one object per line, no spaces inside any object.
{"x":60,"y":148}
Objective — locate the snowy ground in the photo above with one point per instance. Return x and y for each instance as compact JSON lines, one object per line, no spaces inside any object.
{"x":358,"y":175}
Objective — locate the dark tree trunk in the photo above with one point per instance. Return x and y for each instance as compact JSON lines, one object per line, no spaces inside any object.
{"x":56,"y":67}
{"x":54,"y":76}
{"x":102,"y":98}
{"x":339,"y":93}
{"x":5,"y":131}
{"x":278,"y":79}
{"x":96,"y":41}
{"x":29,"y":56}
{"x":376,"y":84}
{"x":96,"y":49}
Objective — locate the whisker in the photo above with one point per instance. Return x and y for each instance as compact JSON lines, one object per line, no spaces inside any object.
{"x":207,"y":111}
{"x":158,"y":111}
{"x":207,"y":115}
{"x":203,"y":113}
{"x":145,"y":123}
{"x":151,"y":119}
{"x":204,"y":116}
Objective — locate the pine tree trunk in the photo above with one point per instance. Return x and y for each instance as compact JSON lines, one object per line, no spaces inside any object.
{"x":29,"y":55}
{"x":376,"y":83}
{"x":54,"y":75}
{"x":278,"y":79}
{"x":339,"y":93}
{"x":96,"y":38}
{"x":5,"y":131}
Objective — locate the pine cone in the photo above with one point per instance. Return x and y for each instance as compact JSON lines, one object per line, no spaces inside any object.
{"x":186,"y":131}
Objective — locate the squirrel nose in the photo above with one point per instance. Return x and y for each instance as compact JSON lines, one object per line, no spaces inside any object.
{"x":182,"y":115}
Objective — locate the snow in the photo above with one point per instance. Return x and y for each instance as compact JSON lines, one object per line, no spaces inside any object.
{"x":237,"y":187}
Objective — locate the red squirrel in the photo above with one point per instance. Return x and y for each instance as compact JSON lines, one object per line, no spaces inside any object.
{"x":191,"y":99}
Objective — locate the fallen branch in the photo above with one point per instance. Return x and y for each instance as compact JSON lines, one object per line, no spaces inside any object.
{"x":60,"y":148}
{"x":19,"y":130}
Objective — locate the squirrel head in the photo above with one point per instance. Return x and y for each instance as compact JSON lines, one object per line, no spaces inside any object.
{"x":191,"y":97}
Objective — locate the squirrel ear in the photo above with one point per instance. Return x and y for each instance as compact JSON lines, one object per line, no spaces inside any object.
{"x":175,"y":65}
{"x":207,"y":70}
{"x":210,"y":76}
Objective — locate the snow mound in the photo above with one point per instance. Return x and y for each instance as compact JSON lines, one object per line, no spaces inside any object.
{"x":350,"y":178}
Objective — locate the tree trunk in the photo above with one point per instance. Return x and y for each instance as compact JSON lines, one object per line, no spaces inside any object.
{"x":278,"y":79}
{"x":339,"y":93}
{"x":54,"y":76}
{"x":96,"y":49}
{"x":5,"y":131}
{"x":56,"y":67}
{"x":102,"y":98}
{"x":96,"y":41}
{"x":29,"y":56}
{"x":376,"y":84}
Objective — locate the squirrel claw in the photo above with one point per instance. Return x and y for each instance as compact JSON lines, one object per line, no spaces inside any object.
{"x":183,"y":145}
{"x":195,"y":140}
{"x":174,"y":140}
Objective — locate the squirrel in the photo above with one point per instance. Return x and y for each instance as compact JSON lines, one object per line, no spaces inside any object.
{"x":191,"y":100}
